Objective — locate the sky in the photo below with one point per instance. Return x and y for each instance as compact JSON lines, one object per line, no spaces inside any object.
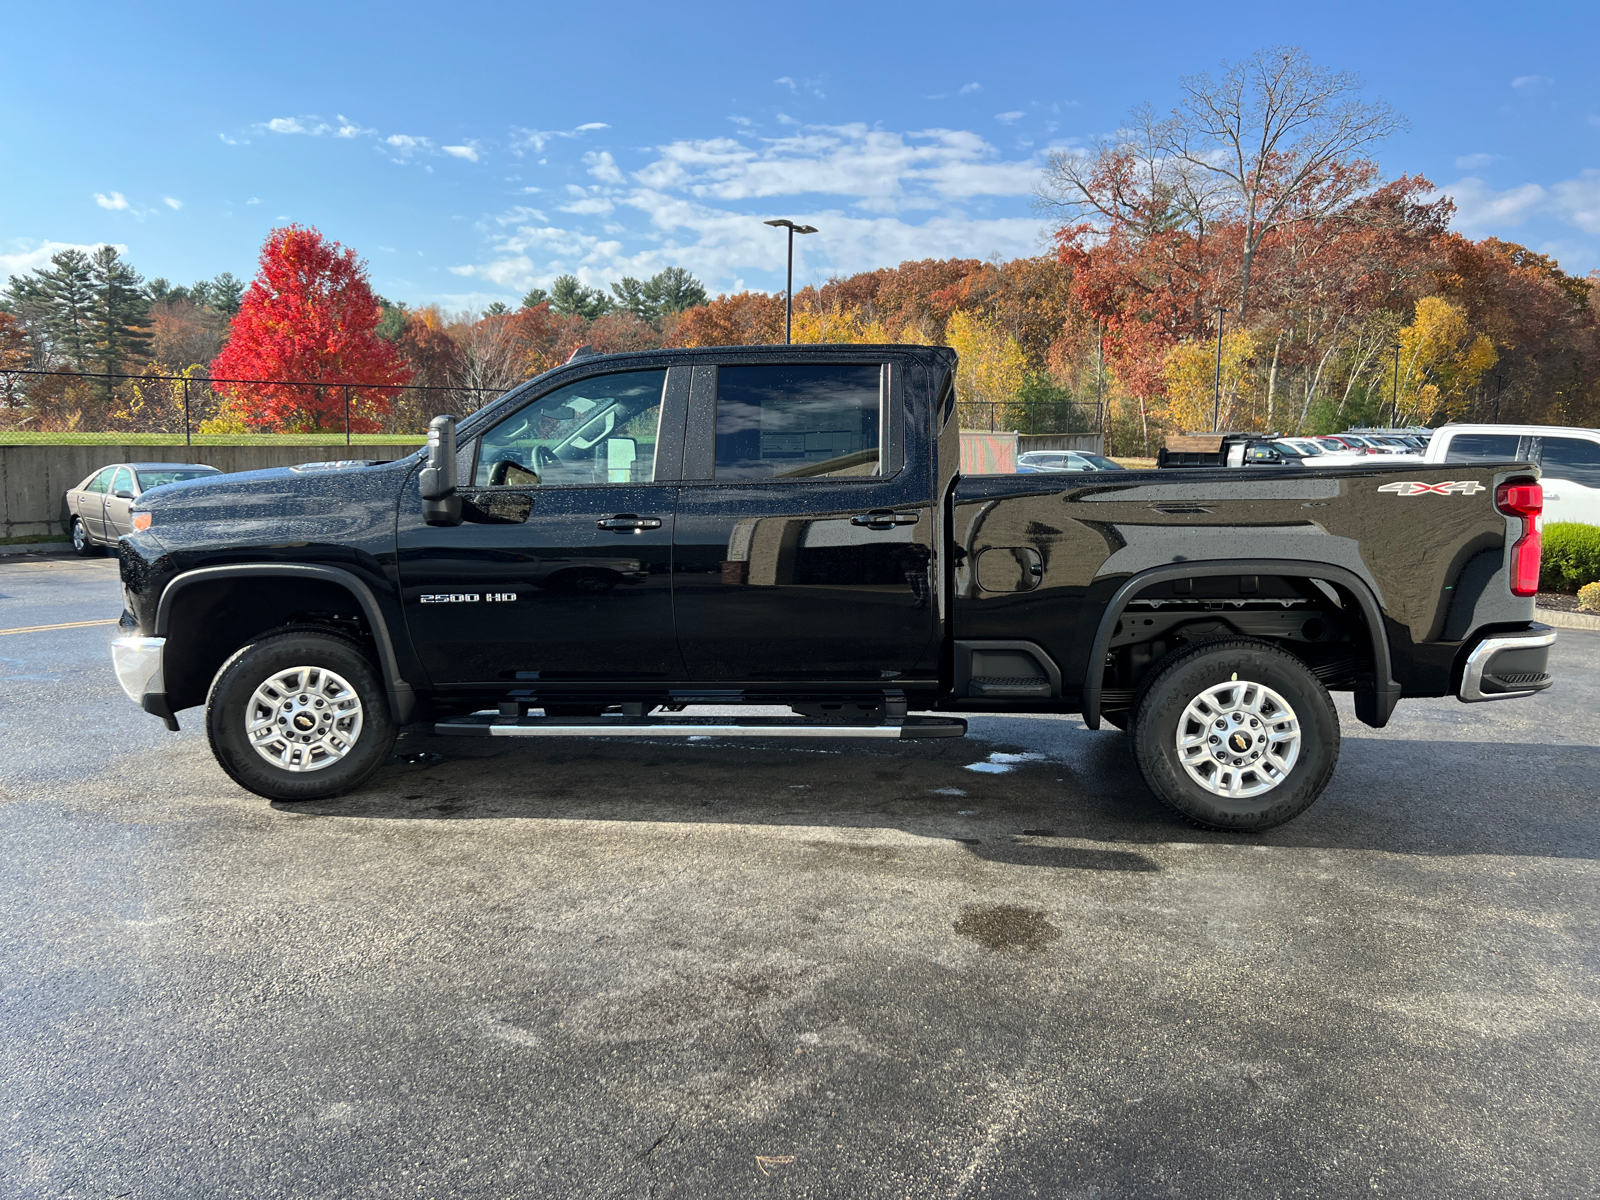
{"x":471,"y":151}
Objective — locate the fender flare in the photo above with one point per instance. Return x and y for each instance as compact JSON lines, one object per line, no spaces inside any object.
{"x":402,"y":697}
{"x":1374,"y":708}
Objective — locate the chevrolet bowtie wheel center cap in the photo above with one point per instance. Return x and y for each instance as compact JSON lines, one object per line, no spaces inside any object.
{"x":1238,"y":739}
{"x":303,"y":718}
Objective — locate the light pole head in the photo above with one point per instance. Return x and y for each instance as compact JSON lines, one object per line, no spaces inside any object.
{"x":785,"y":223}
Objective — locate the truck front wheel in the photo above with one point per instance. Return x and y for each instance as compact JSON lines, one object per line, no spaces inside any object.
{"x":299,"y":715}
{"x":1235,"y":734}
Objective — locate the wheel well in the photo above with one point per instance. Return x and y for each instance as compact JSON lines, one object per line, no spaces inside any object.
{"x":1319,"y":622}
{"x":210,"y":619}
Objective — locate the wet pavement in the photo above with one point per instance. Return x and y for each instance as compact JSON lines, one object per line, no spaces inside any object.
{"x":986,"y":967}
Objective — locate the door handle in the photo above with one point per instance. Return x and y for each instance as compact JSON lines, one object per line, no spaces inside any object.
{"x":628,"y":523}
{"x":884,"y":519}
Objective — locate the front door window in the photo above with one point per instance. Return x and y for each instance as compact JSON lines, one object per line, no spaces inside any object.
{"x":597,"y":431}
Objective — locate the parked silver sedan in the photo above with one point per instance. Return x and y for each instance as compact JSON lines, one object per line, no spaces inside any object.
{"x":98,"y":508}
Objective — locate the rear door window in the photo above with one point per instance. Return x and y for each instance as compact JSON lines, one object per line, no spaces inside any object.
{"x":1481,"y":447}
{"x":794,"y":421}
{"x":102,"y":481}
{"x":1574,"y":459}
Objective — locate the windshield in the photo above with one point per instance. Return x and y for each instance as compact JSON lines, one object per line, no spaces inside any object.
{"x":1287,"y":448}
{"x":154,"y":479}
{"x":1101,"y":463}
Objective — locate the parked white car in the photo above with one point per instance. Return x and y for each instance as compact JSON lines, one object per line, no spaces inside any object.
{"x":1569,"y":461}
{"x":1325,"y":452}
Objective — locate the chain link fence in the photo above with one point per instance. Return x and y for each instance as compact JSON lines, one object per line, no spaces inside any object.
{"x":107,"y":408}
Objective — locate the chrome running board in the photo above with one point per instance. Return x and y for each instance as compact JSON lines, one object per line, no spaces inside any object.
{"x":486,"y":724}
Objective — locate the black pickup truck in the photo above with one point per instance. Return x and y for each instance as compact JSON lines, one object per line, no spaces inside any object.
{"x":630,"y":535}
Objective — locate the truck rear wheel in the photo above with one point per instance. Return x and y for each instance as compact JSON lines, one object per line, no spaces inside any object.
{"x":1235,"y":734}
{"x":299,"y":715}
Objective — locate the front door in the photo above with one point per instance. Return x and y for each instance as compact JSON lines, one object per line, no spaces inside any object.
{"x":804,"y":550}
{"x":119,"y":505}
{"x":561,"y":571}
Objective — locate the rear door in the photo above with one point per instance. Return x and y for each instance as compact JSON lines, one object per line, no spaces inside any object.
{"x":805,"y":529}
{"x":1570,"y":471}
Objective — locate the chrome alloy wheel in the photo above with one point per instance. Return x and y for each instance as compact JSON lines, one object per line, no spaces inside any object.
{"x":1238,"y":739}
{"x":303,"y":718}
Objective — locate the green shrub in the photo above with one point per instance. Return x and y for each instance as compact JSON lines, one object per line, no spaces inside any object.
{"x":1589,"y":597}
{"x":1571,"y":556}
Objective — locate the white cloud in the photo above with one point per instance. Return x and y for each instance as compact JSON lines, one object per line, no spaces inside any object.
{"x":116,"y":201}
{"x":32,"y":257}
{"x":602,"y":166}
{"x":877,"y":196}
{"x":1471,"y":162}
{"x":1530,"y":83}
{"x":874,"y":168}
{"x":537,"y":139}
{"x":788,"y":83}
{"x":968,"y":88}
{"x":253,"y":200}
{"x":1480,"y":209}
{"x":468,"y":151}
{"x":1478,"y":206}
{"x":174,"y":205}
{"x":405,"y":142}
{"x":1009,"y":118}
{"x":349,"y":129}
{"x":1577,"y":201}
{"x":315,"y":128}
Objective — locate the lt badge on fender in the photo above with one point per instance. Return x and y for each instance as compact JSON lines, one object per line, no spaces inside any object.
{"x":466,"y":597}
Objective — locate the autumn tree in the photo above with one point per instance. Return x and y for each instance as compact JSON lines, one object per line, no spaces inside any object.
{"x":309,"y":317}
{"x":745,"y":319}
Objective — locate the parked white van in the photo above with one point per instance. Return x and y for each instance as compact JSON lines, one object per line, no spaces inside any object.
{"x":1569,"y":461}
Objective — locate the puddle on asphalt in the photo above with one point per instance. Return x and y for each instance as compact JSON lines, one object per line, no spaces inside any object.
{"x":998,"y":763}
{"x":1006,"y":927}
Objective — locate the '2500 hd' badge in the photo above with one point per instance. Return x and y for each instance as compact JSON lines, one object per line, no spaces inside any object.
{"x":1454,"y":487}
{"x":465,"y":597}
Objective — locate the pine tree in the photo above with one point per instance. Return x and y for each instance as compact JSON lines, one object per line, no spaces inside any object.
{"x":569,"y":298}
{"x":120,"y":334}
{"x":673,"y":290}
{"x":227,"y":294}
{"x":68,"y":294}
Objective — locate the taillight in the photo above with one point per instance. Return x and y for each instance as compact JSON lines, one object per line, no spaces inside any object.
{"x":1524,"y":499}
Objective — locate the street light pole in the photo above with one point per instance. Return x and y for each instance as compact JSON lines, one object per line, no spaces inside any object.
{"x":1216,"y":390}
{"x":1394,"y":415}
{"x":788,"y":291}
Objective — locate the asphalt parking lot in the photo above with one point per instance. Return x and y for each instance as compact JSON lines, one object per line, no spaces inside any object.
{"x":609,"y":969}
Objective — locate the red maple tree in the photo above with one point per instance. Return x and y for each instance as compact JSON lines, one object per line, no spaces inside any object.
{"x":309,"y":319}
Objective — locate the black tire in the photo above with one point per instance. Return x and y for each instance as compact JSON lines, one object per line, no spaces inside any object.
{"x":1185,"y":676}
{"x":233,"y":693}
{"x":82,"y":544}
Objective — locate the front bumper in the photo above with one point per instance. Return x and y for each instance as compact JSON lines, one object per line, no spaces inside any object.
{"x":138,"y":661}
{"x":1506,"y":666}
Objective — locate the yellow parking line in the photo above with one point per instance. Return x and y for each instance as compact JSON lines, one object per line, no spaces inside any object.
{"x":63,"y":625}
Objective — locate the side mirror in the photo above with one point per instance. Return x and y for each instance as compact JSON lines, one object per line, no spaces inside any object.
{"x":123,"y":494}
{"x":437,"y":480}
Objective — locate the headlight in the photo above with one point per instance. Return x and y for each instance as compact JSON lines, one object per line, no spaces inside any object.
{"x":142,"y":520}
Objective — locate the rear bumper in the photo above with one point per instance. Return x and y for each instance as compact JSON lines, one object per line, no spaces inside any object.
{"x":1508,"y":665}
{"x":138,"y":662}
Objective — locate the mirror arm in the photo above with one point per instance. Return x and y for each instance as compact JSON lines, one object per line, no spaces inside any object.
{"x":437,"y":481}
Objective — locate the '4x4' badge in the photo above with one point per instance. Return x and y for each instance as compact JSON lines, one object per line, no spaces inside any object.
{"x":1454,"y":487}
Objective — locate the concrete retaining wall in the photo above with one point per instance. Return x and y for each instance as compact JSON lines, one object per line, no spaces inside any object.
{"x":34,"y":479}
